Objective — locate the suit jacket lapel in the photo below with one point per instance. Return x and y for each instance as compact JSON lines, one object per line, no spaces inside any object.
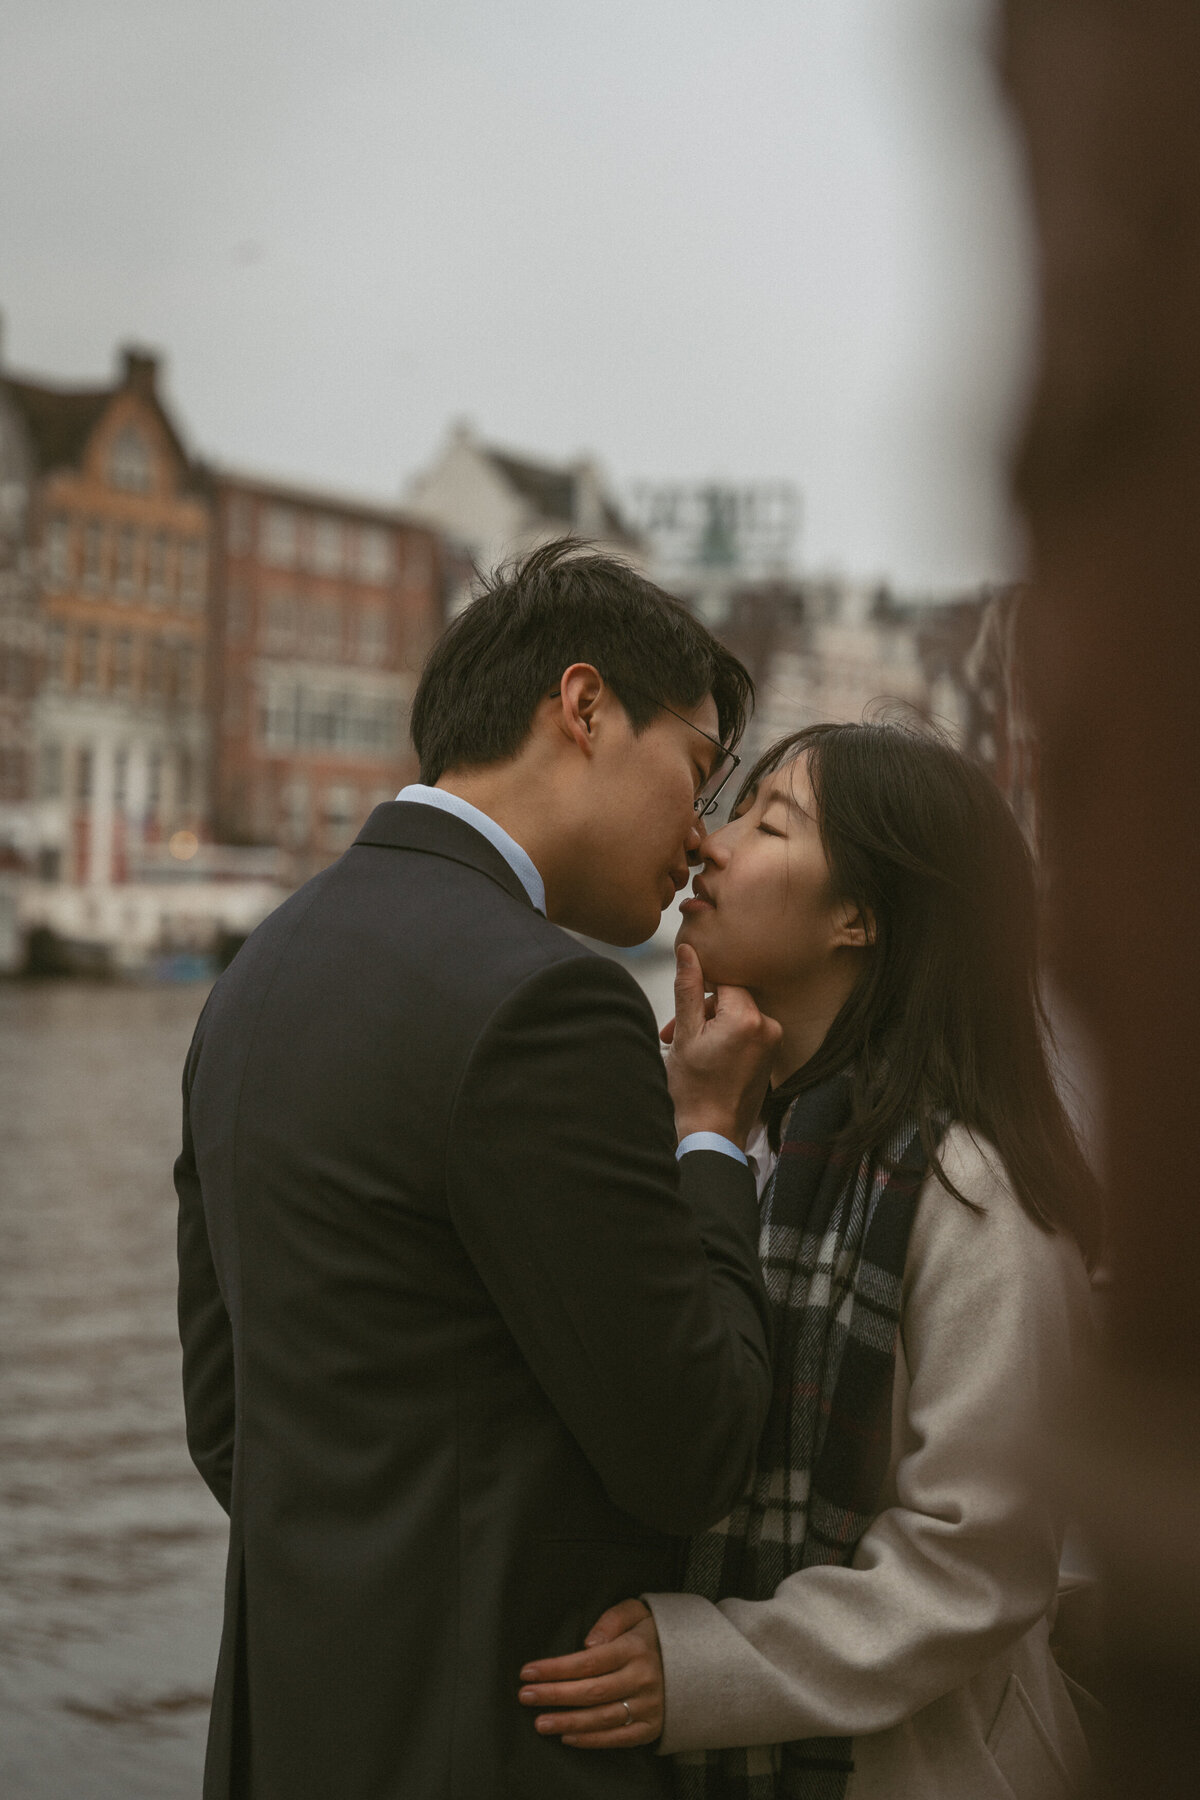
{"x":407,"y":825}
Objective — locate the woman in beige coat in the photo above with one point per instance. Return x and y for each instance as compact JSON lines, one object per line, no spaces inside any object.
{"x":873,"y":1622}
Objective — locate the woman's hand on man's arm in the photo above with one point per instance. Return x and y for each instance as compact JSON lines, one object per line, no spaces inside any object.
{"x":609,"y":1695}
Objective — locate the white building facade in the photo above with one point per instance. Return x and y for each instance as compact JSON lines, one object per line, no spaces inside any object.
{"x":494,"y":504}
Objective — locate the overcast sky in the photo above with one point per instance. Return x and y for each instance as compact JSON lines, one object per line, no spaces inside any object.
{"x":753,"y":239}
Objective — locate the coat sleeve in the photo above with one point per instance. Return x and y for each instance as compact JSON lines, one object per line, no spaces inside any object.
{"x":964,"y":1560}
{"x":204,"y":1327}
{"x":630,"y":1281}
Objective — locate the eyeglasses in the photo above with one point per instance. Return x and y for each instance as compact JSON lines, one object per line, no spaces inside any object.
{"x":705,"y":803}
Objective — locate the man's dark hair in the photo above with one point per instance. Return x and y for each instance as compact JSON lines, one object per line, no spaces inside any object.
{"x":562,"y":604}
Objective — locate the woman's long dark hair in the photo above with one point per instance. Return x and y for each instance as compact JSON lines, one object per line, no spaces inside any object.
{"x":947,"y":1015}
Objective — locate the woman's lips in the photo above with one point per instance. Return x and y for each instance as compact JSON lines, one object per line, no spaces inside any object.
{"x":698,"y":900}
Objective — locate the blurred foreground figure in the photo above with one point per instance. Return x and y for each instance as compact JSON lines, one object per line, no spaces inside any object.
{"x":1109,"y":477}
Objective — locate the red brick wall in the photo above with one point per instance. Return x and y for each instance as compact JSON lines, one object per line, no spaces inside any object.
{"x":337,"y":604}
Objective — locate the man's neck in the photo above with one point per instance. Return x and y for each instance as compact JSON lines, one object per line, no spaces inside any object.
{"x":492,"y":791}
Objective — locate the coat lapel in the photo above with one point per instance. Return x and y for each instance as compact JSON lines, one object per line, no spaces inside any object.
{"x":407,"y":825}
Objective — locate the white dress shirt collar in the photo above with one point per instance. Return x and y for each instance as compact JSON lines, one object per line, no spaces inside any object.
{"x":518,"y":860}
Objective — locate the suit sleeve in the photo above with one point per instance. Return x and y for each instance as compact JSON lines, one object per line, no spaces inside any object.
{"x":964,"y":1560}
{"x":204,"y":1327}
{"x":630,"y":1281}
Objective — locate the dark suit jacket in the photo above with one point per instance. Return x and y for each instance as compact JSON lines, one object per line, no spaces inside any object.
{"x":464,"y":1348}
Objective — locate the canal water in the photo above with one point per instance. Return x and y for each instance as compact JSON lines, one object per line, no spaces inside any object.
{"x":111,"y":1548}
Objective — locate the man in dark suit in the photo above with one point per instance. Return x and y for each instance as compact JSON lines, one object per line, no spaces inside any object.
{"x":468,"y":1343}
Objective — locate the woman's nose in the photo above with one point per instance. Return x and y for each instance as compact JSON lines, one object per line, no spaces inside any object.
{"x":710,"y":847}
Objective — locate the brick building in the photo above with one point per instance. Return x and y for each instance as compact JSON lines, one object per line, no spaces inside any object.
{"x":122,"y":534}
{"x":322,"y":613}
{"x":20,"y":642}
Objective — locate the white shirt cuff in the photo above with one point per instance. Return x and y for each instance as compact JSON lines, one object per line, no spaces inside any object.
{"x":709,"y":1140}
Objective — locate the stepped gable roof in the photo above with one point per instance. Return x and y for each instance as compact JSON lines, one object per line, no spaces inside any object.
{"x":60,"y":420}
{"x":551,"y":490}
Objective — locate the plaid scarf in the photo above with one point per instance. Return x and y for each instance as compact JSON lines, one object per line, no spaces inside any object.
{"x":834,"y":1239}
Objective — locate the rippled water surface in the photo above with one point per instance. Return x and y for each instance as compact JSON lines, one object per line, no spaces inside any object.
{"x":111,"y":1548}
{"x":110,"y":1545}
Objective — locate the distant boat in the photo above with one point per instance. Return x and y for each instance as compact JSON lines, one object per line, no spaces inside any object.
{"x":49,"y":953}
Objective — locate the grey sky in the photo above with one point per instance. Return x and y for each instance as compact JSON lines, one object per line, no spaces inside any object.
{"x":757,"y":238}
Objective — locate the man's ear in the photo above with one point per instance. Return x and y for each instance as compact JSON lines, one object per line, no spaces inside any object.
{"x":579,"y":695}
{"x":854,"y":928}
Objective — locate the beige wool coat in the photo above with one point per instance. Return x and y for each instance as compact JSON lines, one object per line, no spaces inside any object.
{"x":931,"y":1649}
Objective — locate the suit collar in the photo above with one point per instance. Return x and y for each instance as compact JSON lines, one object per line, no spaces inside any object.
{"x":407,"y":825}
{"x":514,"y":854}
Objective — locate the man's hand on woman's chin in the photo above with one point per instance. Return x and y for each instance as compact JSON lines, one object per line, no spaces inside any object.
{"x":721,"y":1054}
{"x":610,"y":1695}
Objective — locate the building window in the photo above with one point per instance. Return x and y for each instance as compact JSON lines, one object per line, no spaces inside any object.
{"x":300,"y":716}
{"x":239,"y":525}
{"x":374,"y":554}
{"x":187,"y":669}
{"x":234,"y":718}
{"x":56,"y":651}
{"x":129,"y":462}
{"x":121,"y":776}
{"x":279,"y":537}
{"x":372,"y":634}
{"x":295,"y":808}
{"x":85,"y":766}
{"x":237,"y":614}
{"x":126,"y":561}
{"x":184,"y":778}
{"x":323,"y":726}
{"x":154,"y":783}
{"x":121,"y":663}
{"x":279,"y":624}
{"x":264,"y":809}
{"x":156,"y":568}
{"x":14,"y":773}
{"x":418,"y":563}
{"x":57,"y":559}
{"x":14,"y":673}
{"x":93,"y":555}
{"x":324,"y":630}
{"x":156,"y":668}
{"x":89,"y":660}
{"x":50,"y":772}
{"x":341,"y":816}
{"x":326,"y":545}
{"x":191,"y":574}
{"x":271,"y":729}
